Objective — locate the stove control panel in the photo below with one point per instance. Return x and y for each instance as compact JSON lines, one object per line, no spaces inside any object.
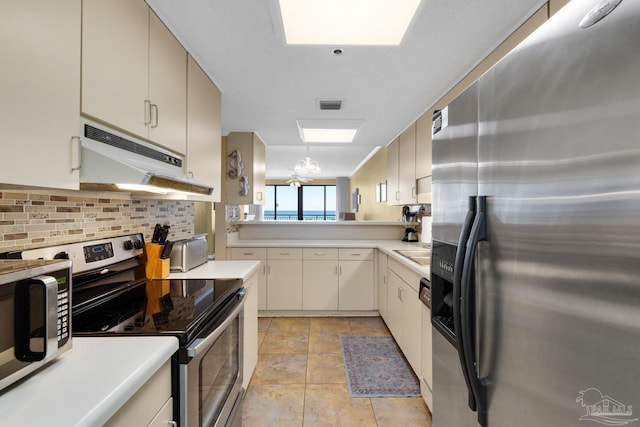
{"x":98,"y":252}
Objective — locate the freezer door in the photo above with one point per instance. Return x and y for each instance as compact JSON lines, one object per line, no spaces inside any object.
{"x":449,"y":389}
{"x":559,"y":163}
{"x":454,"y":168}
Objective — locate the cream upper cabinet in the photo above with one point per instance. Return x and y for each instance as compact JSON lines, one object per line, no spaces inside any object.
{"x":401,"y":169}
{"x":167,"y":87}
{"x":40,"y":102}
{"x":245,"y":184}
{"x":393,"y":153}
{"x":407,"y":166}
{"x":133,"y":72}
{"x":204,"y":161}
{"x":423,"y":145}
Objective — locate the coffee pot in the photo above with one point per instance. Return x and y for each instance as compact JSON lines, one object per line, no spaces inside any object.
{"x":410,"y":235}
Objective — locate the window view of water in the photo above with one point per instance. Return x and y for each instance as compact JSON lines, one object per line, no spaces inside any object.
{"x":306,"y":216}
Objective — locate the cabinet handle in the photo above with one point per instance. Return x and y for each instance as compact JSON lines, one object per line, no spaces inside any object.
{"x":268,"y":269}
{"x":356,"y":254}
{"x":397,"y":195}
{"x":400,"y":294}
{"x":247,"y":253}
{"x":147,"y":112}
{"x":264,"y":269}
{"x":154,"y":123}
{"x":340,"y":270}
{"x":284,"y":253}
{"x":336,"y":270}
{"x":384,"y":279}
{"x":413,"y":192}
{"x":320,"y":253}
{"x":78,"y":141}
{"x":259,"y":195}
{"x":172,"y":423}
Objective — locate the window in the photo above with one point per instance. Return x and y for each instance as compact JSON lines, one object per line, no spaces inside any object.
{"x":307,"y":202}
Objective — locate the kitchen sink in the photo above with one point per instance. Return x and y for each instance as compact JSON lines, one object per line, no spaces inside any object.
{"x":419,"y":256}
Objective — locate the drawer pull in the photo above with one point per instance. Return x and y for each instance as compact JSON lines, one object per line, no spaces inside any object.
{"x":320,"y":253}
{"x":247,"y":253}
{"x":285,"y":253}
{"x":356,"y":254}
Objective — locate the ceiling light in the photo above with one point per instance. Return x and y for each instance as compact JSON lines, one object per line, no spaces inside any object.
{"x":347,"y":22}
{"x":307,"y":165}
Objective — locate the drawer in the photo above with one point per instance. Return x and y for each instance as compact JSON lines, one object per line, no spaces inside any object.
{"x":248,"y":253}
{"x":284,"y":253}
{"x":320,"y":253}
{"x":351,"y":254}
{"x":406,"y":274}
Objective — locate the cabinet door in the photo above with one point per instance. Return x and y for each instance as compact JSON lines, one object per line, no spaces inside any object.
{"x":203,"y":129}
{"x":394,"y":306}
{"x":284,"y":284}
{"x":320,"y":285}
{"x":407,"y":166}
{"x":167,"y":88}
{"x":393,"y":159}
{"x":259,"y":170}
{"x":382,"y":285}
{"x":250,"y":353}
{"x":40,"y":102}
{"x":164,"y":418}
{"x":115,"y":71}
{"x":412,"y":324}
{"x":427,"y":353}
{"x":423,"y":145}
{"x":356,"y":286}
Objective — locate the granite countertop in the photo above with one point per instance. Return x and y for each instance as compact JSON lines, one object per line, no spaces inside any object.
{"x":88,"y":384}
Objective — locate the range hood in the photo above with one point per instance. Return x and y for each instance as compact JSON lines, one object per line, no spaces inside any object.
{"x":113,"y":161}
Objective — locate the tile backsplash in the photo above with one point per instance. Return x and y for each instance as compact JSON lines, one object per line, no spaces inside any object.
{"x":30,"y":219}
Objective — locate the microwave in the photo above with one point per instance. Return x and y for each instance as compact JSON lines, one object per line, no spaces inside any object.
{"x":35,"y":315}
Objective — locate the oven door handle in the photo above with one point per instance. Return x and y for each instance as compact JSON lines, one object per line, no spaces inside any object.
{"x":202,"y":344}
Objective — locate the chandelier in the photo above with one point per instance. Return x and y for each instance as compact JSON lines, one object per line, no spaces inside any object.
{"x":307,"y":165}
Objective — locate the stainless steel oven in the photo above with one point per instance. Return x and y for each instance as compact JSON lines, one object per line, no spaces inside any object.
{"x":212,"y":374}
{"x":111,"y":296}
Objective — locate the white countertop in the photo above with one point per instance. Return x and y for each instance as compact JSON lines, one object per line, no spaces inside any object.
{"x":88,"y":384}
{"x":220,"y":270}
{"x":320,"y":223}
{"x":387,"y":246}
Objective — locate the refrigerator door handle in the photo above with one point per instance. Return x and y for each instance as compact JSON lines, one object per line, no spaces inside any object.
{"x":457,"y":293}
{"x":467,"y":309}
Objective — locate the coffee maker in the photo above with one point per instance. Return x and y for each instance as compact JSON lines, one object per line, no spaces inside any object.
{"x":408,"y":217}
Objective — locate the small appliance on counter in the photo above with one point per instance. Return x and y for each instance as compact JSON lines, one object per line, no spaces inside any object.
{"x":35,"y":313}
{"x":189,"y":253}
{"x":410,"y":235}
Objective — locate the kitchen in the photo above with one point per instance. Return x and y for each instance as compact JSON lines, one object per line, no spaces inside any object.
{"x":47,"y":209}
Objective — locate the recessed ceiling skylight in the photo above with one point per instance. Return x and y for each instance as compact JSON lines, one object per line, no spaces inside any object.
{"x":346,"y":22}
{"x":328,"y":131}
{"x":328,"y":135}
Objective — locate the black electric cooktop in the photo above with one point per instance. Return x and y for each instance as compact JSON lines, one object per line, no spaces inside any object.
{"x":180,"y":308}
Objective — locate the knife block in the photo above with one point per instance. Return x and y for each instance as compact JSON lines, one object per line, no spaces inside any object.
{"x":155,"y":267}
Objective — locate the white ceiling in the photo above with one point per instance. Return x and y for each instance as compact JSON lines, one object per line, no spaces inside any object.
{"x":268,"y":85}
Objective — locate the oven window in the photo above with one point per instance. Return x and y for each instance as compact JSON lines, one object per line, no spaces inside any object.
{"x":218,"y":371}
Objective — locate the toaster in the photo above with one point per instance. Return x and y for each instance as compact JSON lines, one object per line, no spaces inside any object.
{"x":188,"y":254}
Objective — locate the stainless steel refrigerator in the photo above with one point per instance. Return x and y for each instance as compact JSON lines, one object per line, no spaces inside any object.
{"x":536,"y":231}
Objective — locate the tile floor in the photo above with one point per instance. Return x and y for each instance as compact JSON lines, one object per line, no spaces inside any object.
{"x":300,"y":378}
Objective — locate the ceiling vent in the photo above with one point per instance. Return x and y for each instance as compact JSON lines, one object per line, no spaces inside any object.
{"x":330,"y":104}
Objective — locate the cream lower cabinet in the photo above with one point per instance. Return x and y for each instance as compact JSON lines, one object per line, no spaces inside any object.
{"x":426,"y":379}
{"x":284,"y":278}
{"x":383,"y":282}
{"x":151,"y":405}
{"x":40,"y":92}
{"x":356,"y":290}
{"x":320,"y":279}
{"x":405,"y":313}
{"x":258,"y":254}
{"x":250,"y":330}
